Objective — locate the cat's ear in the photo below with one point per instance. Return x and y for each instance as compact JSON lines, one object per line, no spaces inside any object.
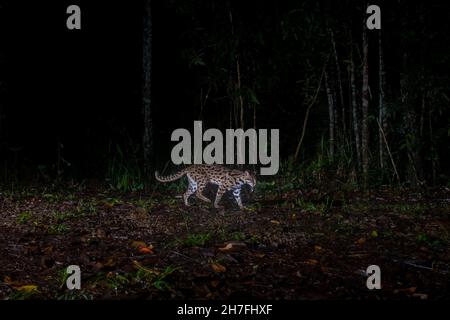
{"x":247,"y":173}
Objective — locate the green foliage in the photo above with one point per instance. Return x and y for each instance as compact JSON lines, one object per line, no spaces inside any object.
{"x":86,"y":207}
{"x":146,"y":204}
{"x":177,"y":187}
{"x":23,"y":217}
{"x":62,"y":275}
{"x":433,"y":242}
{"x":196,"y":240}
{"x":62,"y":216}
{"x":124,"y":171}
{"x":238,"y":236}
{"x":59,"y":228}
{"x":416,"y":209}
{"x":308,"y":206}
{"x":75,"y":295}
{"x":117,"y":281}
{"x":152,"y":278}
{"x":23,"y":295}
{"x":143,"y":277}
{"x":266,"y":186}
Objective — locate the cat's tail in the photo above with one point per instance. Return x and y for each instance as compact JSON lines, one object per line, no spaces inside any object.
{"x":171,"y":177}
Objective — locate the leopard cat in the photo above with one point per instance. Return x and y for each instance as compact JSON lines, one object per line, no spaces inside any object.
{"x":225,"y":178}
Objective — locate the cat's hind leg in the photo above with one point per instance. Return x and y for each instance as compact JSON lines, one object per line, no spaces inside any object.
{"x":191,"y":190}
{"x":219,"y":195}
{"x":199,"y":193}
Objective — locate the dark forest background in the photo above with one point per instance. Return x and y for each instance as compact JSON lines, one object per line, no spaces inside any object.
{"x":361,"y":106}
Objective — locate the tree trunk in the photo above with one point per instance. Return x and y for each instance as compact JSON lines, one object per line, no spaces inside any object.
{"x":331,"y":114}
{"x":412,"y":139}
{"x":239,"y":88}
{"x":146,"y":90}
{"x":365,"y":107}
{"x":382,"y":106}
{"x":238,"y":100}
{"x":355,"y":110}
{"x":434,"y":157}
{"x":341,"y":92}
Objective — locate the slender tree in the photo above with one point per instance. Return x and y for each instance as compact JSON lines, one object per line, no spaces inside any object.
{"x":355,"y":113}
{"x":381,"y":103}
{"x":311,"y":103}
{"x":339,"y":82}
{"x":146,"y":89}
{"x":365,"y":106}
{"x":331,"y":114}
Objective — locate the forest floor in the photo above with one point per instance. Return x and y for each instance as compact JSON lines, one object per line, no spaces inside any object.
{"x":285,"y":245}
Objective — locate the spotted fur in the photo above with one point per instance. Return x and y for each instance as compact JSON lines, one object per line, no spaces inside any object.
{"x":199,"y":176}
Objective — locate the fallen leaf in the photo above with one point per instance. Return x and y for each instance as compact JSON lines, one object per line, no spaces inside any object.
{"x":98,"y":266}
{"x":357,"y":255}
{"x":110,"y":262}
{"x":100,"y":233}
{"x":374,"y":234}
{"x":324,"y":269}
{"x":141,"y":211}
{"x":312,"y":261}
{"x":8,"y":280}
{"x":108,"y":205}
{"x":411,"y":290}
{"x":228,"y":247}
{"x":275,"y":221}
{"x":48,"y":249}
{"x":146,"y":250}
{"x":233,"y":246}
{"x":317,"y":248}
{"x":422,"y":296}
{"x":361,"y":241}
{"x":138,"y":244}
{"x":141,"y":267}
{"x":217,"y":267}
{"x":27,"y":288}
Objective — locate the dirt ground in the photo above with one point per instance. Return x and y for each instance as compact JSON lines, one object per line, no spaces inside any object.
{"x":285,"y":245}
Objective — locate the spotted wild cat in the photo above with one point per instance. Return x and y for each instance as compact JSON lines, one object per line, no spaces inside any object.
{"x":225,"y":178}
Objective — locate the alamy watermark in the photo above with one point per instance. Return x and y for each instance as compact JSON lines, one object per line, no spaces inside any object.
{"x":73,"y":280}
{"x":373,"y":277}
{"x":189,"y":150}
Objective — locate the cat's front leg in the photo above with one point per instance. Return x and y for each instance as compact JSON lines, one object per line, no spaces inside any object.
{"x":237,"y":196}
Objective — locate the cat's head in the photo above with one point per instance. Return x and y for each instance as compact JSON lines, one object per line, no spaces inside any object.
{"x":250,"y":179}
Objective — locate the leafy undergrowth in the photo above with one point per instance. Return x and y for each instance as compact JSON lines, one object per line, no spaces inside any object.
{"x":285,"y":245}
